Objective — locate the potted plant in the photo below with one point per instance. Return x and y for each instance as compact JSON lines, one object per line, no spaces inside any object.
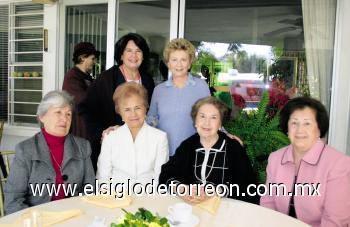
{"x":260,"y":133}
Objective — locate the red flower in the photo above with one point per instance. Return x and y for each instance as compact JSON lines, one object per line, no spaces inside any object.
{"x":238,"y":100}
{"x":277,"y":101}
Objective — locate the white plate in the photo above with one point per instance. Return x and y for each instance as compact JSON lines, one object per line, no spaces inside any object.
{"x":193,"y":221}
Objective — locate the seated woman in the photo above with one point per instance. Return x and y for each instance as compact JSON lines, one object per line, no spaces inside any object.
{"x":51,"y":157}
{"x":209,"y":156}
{"x":134,"y":151}
{"x":308,"y":160}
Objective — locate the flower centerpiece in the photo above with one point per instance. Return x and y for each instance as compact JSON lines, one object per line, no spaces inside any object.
{"x":142,"y":218}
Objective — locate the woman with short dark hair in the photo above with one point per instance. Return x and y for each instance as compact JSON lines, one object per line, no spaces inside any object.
{"x":132,"y":56}
{"x":310,"y":162}
{"x":209,"y":157}
{"x":140,"y":42}
{"x":77,"y":81}
{"x":212,"y":101}
{"x":301,"y":103}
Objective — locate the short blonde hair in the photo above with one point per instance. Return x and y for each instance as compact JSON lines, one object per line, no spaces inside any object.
{"x":179,"y":44}
{"x":220,"y":106}
{"x":128,"y":89}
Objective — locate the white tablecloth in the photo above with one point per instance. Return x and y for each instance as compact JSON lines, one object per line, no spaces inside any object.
{"x":231,"y":213}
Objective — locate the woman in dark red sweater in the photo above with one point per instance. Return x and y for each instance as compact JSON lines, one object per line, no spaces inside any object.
{"x":77,"y":81}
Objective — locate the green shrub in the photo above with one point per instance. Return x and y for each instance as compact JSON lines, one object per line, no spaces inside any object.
{"x":261,"y":135}
{"x":225,"y":97}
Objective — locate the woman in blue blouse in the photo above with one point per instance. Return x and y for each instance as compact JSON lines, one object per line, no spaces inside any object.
{"x":170,"y":109}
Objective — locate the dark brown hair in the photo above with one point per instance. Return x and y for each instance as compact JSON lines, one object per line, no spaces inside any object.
{"x":220,"y":106}
{"x":140,"y":43}
{"x":300,"y":103}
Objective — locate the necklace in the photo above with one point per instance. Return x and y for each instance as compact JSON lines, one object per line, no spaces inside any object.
{"x":59,"y":166}
{"x":125,"y":75}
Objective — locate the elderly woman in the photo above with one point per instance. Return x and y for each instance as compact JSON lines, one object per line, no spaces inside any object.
{"x":310,"y":162}
{"x":132,"y":57}
{"x":51,"y":158}
{"x":134,"y":151}
{"x":209,"y":156}
{"x":78,"y":79}
{"x":172,"y":100}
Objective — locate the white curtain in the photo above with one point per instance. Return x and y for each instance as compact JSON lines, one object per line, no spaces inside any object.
{"x":319,"y":28}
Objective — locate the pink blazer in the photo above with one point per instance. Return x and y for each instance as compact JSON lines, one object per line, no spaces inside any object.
{"x":321,"y":165}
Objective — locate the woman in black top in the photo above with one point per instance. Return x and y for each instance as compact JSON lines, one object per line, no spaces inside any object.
{"x":132,"y":57}
{"x":210,"y":157}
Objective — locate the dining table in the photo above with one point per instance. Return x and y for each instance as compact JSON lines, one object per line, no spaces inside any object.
{"x":230,"y":212}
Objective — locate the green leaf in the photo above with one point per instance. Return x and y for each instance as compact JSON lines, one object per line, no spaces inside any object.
{"x":163,"y":221}
{"x":148,"y":215}
{"x":260,"y":133}
{"x":141,"y":218}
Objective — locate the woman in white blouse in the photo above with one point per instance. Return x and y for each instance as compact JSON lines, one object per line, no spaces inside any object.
{"x":134,"y":151}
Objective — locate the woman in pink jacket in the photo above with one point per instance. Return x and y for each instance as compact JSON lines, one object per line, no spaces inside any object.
{"x":313,"y":178}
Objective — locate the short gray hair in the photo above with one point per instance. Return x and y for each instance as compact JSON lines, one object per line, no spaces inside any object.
{"x":54,"y":98}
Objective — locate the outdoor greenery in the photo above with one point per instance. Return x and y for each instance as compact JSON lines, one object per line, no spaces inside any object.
{"x":225,"y":97}
{"x":204,"y":57}
{"x":235,"y":58}
{"x":249,"y":64}
{"x":260,"y":133}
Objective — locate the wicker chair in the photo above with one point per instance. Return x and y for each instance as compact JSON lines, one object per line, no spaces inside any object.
{"x":6,"y":157}
{"x":5,"y":169}
{"x":2,"y":163}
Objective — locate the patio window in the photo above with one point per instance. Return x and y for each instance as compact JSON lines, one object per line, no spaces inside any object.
{"x":25,"y":52}
{"x":251,"y":46}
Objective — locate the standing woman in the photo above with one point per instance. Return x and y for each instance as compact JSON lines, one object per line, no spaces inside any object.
{"x":132,"y":57}
{"x":172,"y":100}
{"x":308,"y":160}
{"x":78,"y":79}
{"x":52,"y":157}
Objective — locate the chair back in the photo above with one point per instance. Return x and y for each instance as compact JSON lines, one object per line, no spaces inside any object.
{"x":1,"y":129}
{"x":2,"y":163}
{"x":5,"y":156}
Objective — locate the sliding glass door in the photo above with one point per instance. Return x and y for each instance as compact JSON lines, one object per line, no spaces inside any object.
{"x":86,"y":23}
{"x":151,"y":19}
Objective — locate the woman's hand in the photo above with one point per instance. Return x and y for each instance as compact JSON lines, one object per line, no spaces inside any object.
{"x":194,"y":197}
{"x":234,"y":137}
{"x":222,"y":129}
{"x":108,"y":130}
